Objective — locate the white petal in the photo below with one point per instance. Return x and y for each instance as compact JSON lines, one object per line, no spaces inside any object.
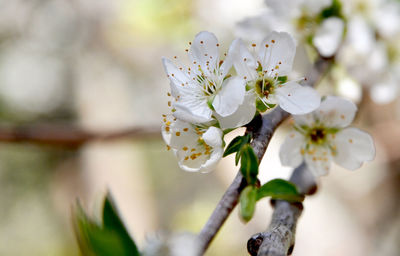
{"x":204,"y":51}
{"x":213,"y":137}
{"x":297,"y":99}
{"x":227,"y":101}
{"x":353,"y":147}
{"x":290,"y":151}
{"x":307,"y":119}
{"x":336,"y":112}
{"x":319,"y":162}
{"x":328,"y":36}
{"x":202,"y":164}
{"x":243,"y":115}
{"x":280,"y":52}
{"x":195,"y":112}
{"x":175,"y":75}
{"x":244,"y":62}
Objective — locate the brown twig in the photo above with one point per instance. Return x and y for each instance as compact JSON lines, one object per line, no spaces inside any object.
{"x":67,"y":136}
{"x":279,"y":238}
{"x":261,"y":128}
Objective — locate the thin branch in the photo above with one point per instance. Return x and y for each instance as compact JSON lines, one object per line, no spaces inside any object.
{"x":67,"y":136}
{"x":279,"y":238}
{"x":262,"y":130}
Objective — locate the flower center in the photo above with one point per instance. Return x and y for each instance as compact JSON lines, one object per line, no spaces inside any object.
{"x":317,"y":135}
{"x":265,"y":86}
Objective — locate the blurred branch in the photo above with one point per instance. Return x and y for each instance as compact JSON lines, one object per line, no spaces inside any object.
{"x":262,"y":129}
{"x":67,"y":136}
{"x":279,"y":238}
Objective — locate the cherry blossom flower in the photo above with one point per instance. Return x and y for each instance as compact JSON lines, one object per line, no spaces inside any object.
{"x":204,"y":90}
{"x":317,"y":22}
{"x":323,"y":136}
{"x":264,"y":72}
{"x":197,"y":147}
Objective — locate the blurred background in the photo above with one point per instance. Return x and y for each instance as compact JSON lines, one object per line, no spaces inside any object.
{"x":96,"y":65}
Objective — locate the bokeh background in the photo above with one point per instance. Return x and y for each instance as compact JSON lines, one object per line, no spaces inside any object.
{"x":96,"y":65}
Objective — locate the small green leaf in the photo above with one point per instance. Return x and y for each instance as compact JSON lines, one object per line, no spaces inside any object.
{"x":247,"y":203}
{"x":112,"y":221}
{"x":280,"y":189}
{"x":334,"y":10}
{"x":249,"y":164}
{"x":108,"y":238}
{"x":236,"y":144}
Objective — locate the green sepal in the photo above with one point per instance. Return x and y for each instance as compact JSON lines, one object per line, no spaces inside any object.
{"x":249,"y":164}
{"x":282,"y":79}
{"x":262,"y":107}
{"x":247,"y":200}
{"x":280,"y":189}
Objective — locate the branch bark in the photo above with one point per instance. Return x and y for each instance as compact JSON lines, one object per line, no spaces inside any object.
{"x":279,"y":238}
{"x":67,"y":136}
{"x":261,"y":128}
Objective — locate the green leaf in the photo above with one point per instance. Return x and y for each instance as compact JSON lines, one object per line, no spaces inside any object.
{"x":280,"y":189}
{"x":247,"y":202}
{"x":334,"y":10}
{"x":112,"y":221}
{"x":107,"y":239}
{"x":236,"y":144}
{"x":249,"y":164}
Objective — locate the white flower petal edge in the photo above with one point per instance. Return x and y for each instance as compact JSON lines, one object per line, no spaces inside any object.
{"x":319,"y":162}
{"x":320,"y":137}
{"x":297,"y":99}
{"x":277,"y":49}
{"x":243,"y":115}
{"x":328,"y":36}
{"x":290,"y":151}
{"x":227,"y":101}
{"x":198,"y":148}
{"x":336,"y":112}
{"x":204,"y":52}
{"x":353,"y":147}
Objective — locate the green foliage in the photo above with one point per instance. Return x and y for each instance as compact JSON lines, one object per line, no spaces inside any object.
{"x":107,"y":239}
{"x":249,"y":164}
{"x":248,"y":199}
{"x":334,"y":10}
{"x":280,"y":189}
{"x":236,"y":146}
{"x":276,"y":189}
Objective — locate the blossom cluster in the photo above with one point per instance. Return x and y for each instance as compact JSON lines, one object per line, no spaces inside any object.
{"x":363,"y":34}
{"x":212,"y":96}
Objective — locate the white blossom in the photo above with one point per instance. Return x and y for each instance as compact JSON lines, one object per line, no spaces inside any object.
{"x":263,"y":70}
{"x":302,"y":18}
{"x":322,"y":136}
{"x":205,"y":90}
{"x":197,"y":147}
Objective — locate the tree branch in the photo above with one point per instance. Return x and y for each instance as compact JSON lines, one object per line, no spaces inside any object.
{"x":279,"y":238}
{"x":67,"y":136}
{"x":262,"y":129}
